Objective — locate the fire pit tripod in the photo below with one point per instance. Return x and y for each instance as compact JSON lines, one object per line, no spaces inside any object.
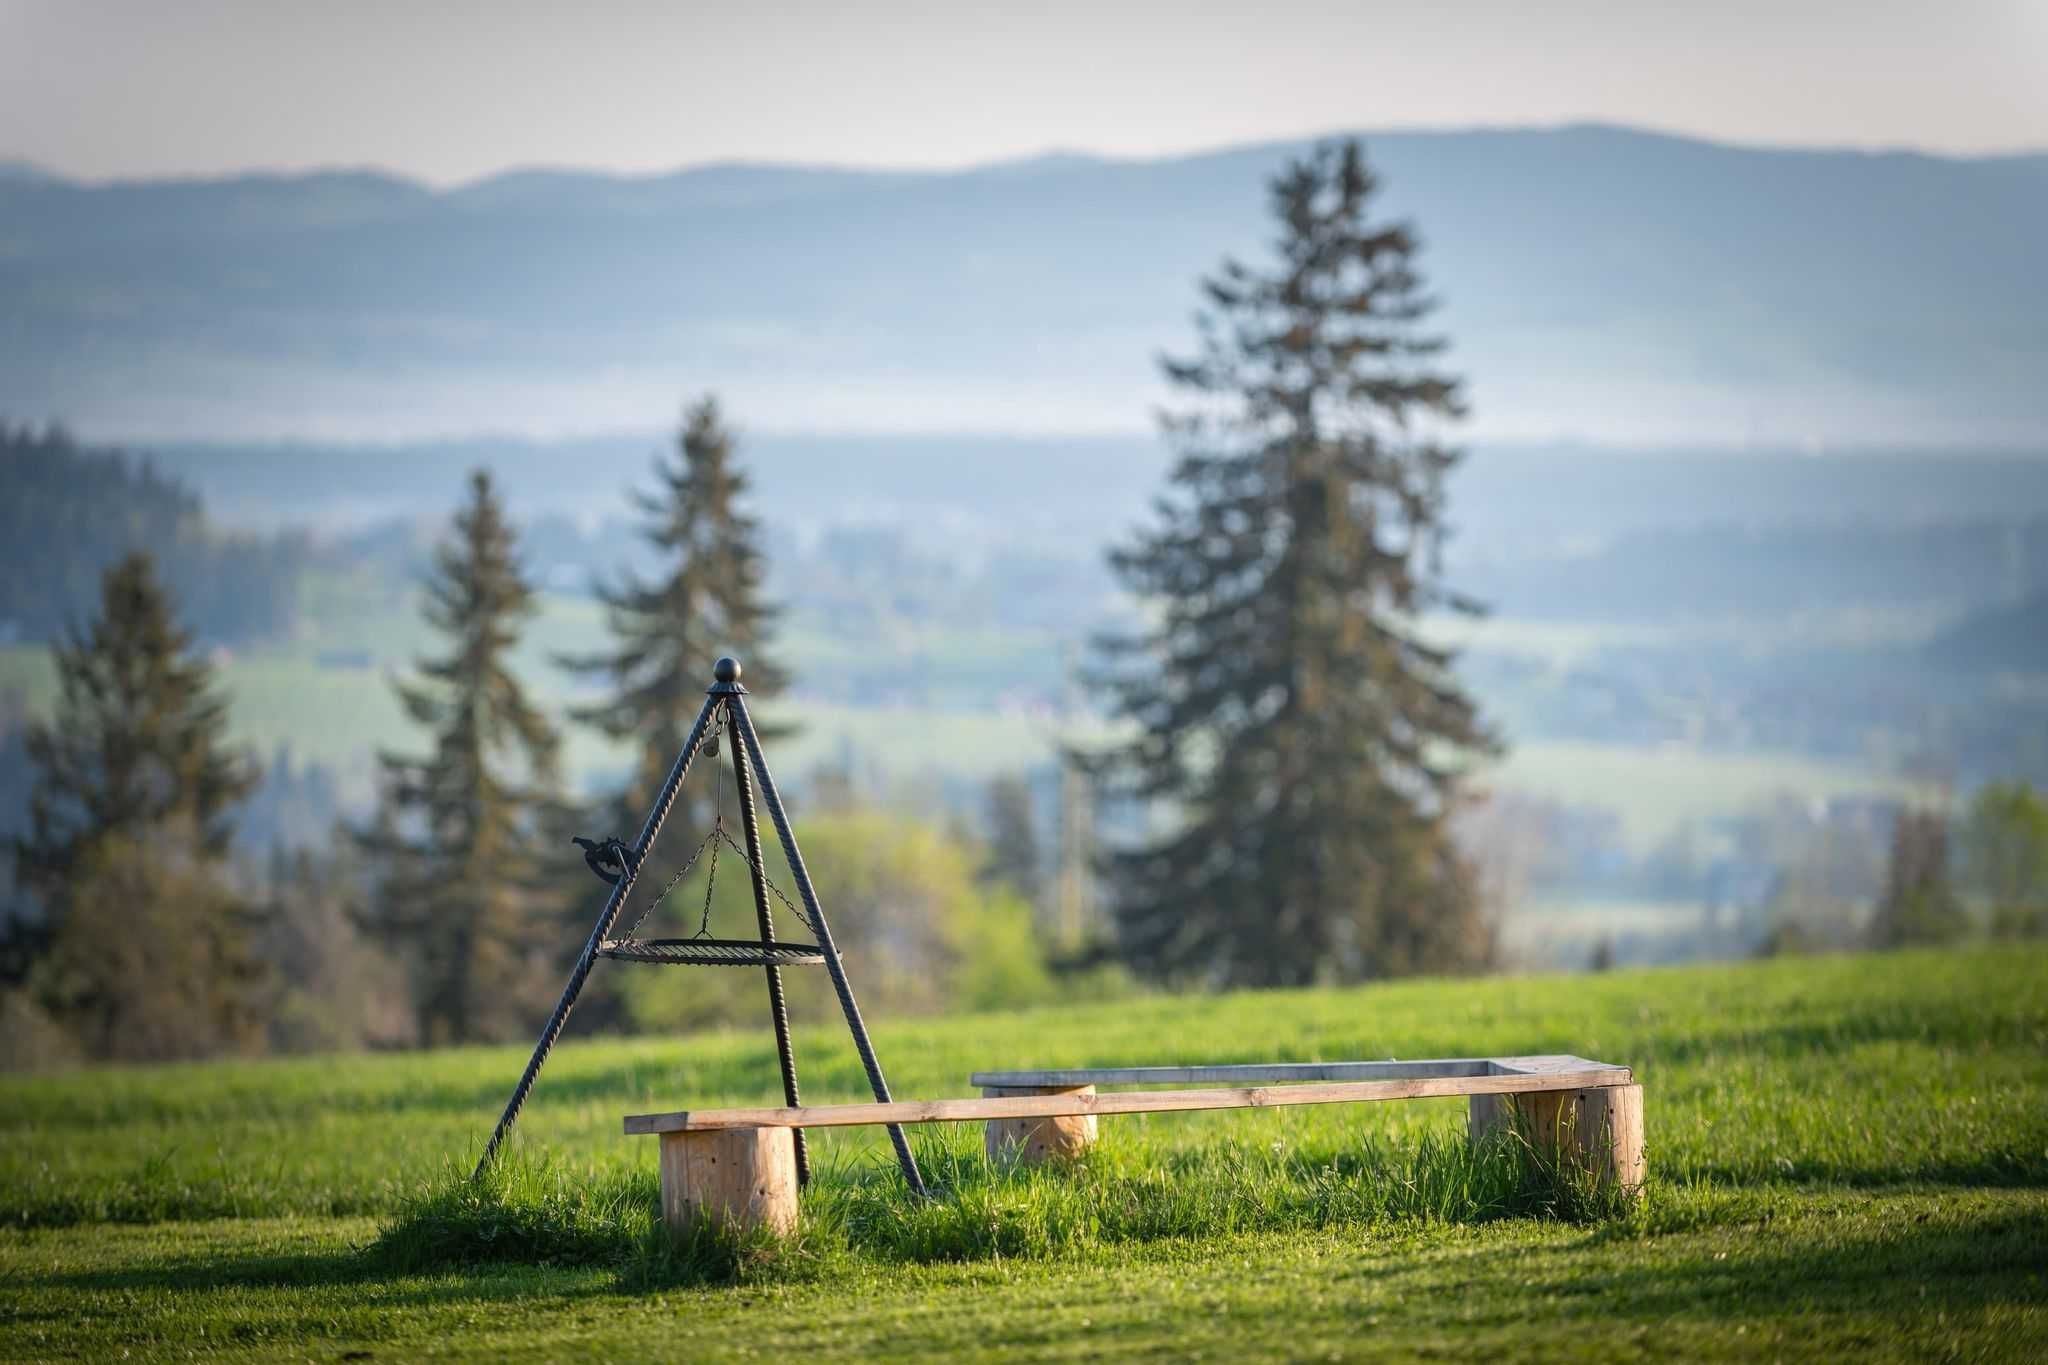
{"x":618,"y":863}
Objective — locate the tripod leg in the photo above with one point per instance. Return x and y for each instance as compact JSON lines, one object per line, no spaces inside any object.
{"x":613,"y":903}
{"x":744,"y":723}
{"x":778,"y":1009}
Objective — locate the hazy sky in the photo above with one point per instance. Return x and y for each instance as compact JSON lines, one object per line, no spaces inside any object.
{"x":451,"y":91}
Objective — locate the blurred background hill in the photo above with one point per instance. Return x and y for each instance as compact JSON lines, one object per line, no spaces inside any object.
{"x":1603,"y":283}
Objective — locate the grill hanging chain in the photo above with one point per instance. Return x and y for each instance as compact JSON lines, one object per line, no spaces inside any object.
{"x":710,"y":750}
{"x":719,"y":834}
{"x":681,"y":873}
{"x":796,"y":912}
{"x":710,"y":879}
{"x":717,"y":827}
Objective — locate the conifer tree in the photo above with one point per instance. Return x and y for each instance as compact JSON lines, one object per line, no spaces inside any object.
{"x":460,"y":829}
{"x":2005,"y":848}
{"x":1302,"y":735}
{"x":143,"y":951}
{"x":706,"y":601}
{"x":1918,"y":906}
{"x":139,"y":735}
{"x":1013,"y":858}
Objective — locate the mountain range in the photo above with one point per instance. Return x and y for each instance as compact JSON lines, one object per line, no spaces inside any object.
{"x":1598,"y":283}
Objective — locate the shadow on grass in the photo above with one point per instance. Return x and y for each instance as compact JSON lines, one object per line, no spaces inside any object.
{"x":1992,"y":1260}
{"x":2012,"y":1170}
{"x":1888,"y":1264}
{"x":156,"y":1190}
{"x":221,"y":1272}
{"x":479,"y":1283}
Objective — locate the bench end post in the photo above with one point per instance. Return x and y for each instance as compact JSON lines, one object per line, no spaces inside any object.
{"x":1599,"y":1130}
{"x":1033,"y":1142}
{"x":741,"y":1178}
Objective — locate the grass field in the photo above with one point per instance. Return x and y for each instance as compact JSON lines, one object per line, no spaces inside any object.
{"x":1849,"y":1156}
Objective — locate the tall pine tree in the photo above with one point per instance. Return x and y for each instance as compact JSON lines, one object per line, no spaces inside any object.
{"x":1304,"y":737}
{"x":460,"y":894}
{"x":140,"y":734}
{"x":1014,"y":858}
{"x":1918,"y":906}
{"x":143,"y":952}
{"x":706,"y":601}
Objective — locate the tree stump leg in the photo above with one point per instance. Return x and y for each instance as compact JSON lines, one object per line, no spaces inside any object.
{"x":740,"y":1178}
{"x":1489,"y":1115}
{"x":1600,"y":1130}
{"x":1033,"y":1142}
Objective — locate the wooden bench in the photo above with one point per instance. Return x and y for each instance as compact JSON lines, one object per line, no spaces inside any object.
{"x":738,"y":1166}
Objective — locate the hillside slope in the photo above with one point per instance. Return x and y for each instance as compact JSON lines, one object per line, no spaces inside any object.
{"x":2012,"y":638}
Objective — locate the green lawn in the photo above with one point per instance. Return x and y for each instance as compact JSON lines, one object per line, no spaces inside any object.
{"x":1849,"y":1156}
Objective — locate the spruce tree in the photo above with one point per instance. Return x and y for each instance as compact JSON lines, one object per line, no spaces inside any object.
{"x":668,"y":630}
{"x":143,"y":950}
{"x":458,"y":835}
{"x":1918,"y":906}
{"x":1303,"y":736}
{"x":140,"y":734}
{"x":1013,"y":857}
{"x":2005,"y":848}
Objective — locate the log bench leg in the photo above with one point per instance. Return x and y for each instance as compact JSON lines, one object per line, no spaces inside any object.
{"x":1600,"y":1130}
{"x":741,"y":1178}
{"x":1032,"y":1142}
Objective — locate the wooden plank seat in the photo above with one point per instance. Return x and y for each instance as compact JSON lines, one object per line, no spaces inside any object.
{"x":738,"y":1165}
{"x":1581,"y":1072}
{"x":1033,"y":1140}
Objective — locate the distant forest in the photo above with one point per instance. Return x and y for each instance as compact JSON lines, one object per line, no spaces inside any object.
{"x":67,"y":511}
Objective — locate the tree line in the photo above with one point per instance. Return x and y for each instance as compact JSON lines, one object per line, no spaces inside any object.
{"x":66,"y":512}
{"x":1997,"y":887}
{"x":450,"y":914}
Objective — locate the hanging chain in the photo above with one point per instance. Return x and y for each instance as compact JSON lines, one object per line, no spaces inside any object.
{"x":681,"y":873}
{"x":796,"y":911}
{"x":719,"y":835}
{"x":710,"y":880}
{"x":717,"y":825}
{"x":709,"y":747}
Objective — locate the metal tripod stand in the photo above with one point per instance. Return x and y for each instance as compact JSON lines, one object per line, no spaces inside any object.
{"x":620,"y":865}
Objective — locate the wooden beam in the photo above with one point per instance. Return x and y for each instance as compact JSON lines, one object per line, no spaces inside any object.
{"x":1260,"y":1073}
{"x":1121,"y":1102}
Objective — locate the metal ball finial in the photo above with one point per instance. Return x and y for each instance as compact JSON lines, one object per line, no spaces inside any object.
{"x":726,"y":670}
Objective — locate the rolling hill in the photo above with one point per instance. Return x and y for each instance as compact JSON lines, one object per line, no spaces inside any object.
{"x":1601,"y":283}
